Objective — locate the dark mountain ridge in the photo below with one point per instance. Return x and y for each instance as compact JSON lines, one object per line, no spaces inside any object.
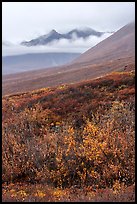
{"x":54,"y":35}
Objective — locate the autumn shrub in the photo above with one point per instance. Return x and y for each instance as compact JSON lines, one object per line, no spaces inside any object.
{"x":80,"y":136}
{"x":101,"y":154}
{"x":119,"y":130}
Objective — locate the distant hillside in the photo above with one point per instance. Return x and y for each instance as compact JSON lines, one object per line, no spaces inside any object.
{"x":116,"y":53}
{"x":27,"y":62}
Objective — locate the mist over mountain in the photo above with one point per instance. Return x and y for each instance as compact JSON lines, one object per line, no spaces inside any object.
{"x":72,"y":35}
{"x":6,"y":43}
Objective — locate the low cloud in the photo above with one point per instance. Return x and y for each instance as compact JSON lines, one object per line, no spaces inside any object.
{"x":79,"y":45}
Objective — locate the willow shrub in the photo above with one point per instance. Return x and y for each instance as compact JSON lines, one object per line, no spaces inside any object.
{"x":100,"y":154}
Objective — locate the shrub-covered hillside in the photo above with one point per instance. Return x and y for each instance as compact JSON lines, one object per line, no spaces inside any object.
{"x":78,"y":135}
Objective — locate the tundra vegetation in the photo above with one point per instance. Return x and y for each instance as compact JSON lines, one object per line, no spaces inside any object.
{"x":71,"y":142}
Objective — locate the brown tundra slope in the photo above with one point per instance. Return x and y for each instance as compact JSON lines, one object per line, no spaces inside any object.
{"x":116,"y":53}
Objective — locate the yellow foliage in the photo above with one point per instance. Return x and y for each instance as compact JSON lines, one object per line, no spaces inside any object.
{"x":40,"y":194}
{"x":62,"y":87}
{"x":69,"y":140}
{"x":117,"y":186}
{"x":22,"y":193}
{"x":59,"y":192}
{"x":90,"y":128}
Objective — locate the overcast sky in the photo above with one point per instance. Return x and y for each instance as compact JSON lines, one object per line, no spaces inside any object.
{"x":27,"y":20}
